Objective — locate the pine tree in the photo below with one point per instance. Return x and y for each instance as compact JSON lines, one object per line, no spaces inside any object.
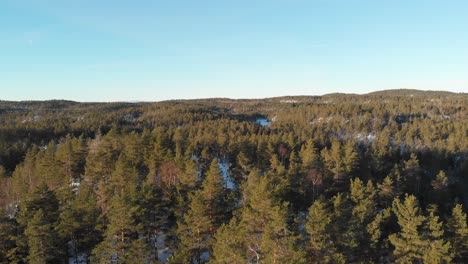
{"x":43,"y":241}
{"x":458,"y":230}
{"x":68,"y":159}
{"x":437,"y":249}
{"x":268,"y":237}
{"x":439,"y":194}
{"x":103,"y":152}
{"x":332,"y":158}
{"x":412,"y":174}
{"x":79,"y":222}
{"x":309,"y":155}
{"x":244,"y":162}
{"x":120,"y":232}
{"x":205,"y":215}
{"x":350,"y":157}
{"x":42,"y":198}
{"x":228,"y":247}
{"x":194,"y":232}
{"x":139,"y":252}
{"x":409,"y":244}
{"x":212,"y":193}
{"x":8,"y":228}
{"x":189,"y":178}
{"x":386,"y":191}
{"x":151,"y":213}
{"x":378,"y":239}
{"x":321,"y":248}
{"x":124,"y":178}
{"x":440,"y":182}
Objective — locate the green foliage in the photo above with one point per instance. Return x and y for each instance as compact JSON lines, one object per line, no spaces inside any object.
{"x":408,"y":243}
{"x":319,"y":228}
{"x":458,"y":230}
{"x":43,"y":241}
{"x":133,"y":183}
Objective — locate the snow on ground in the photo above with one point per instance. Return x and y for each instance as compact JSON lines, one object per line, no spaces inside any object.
{"x":163,"y":251}
{"x":82,"y":259}
{"x":289,"y":101}
{"x":264,"y":122}
{"x":360,"y":137}
{"x":371,"y":138}
{"x":205,"y":257}
{"x":224,"y":167}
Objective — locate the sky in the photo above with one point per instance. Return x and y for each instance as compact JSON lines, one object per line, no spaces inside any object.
{"x":151,"y":50}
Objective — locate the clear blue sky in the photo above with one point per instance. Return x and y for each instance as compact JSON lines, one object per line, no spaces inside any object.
{"x":100,"y":50}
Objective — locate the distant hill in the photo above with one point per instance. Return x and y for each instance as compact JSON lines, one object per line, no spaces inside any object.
{"x":412,"y":92}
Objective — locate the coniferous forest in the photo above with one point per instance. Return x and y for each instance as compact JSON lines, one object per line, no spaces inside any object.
{"x":339,"y":178}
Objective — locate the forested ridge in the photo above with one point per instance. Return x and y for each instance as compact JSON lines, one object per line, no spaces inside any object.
{"x":339,"y":178}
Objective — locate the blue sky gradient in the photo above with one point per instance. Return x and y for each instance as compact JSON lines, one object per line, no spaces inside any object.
{"x":155,"y":50}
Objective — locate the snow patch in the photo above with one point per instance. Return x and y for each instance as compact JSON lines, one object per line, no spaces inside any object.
{"x":164,"y":252}
{"x":360,"y":137}
{"x":289,"y":101}
{"x":80,"y":259}
{"x":264,"y":122}
{"x":224,"y":167}
{"x":205,"y":256}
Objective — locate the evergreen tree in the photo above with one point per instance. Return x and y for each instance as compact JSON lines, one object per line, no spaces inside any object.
{"x":212,"y":193}
{"x":152,"y":214}
{"x":139,"y":252}
{"x":194,"y":232}
{"x":409,"y":244}
{"x":332,"y":158}
{"x":43,"y":241}
{"x":458,"y":230}
{"x":268,"y":236}
{"x":412,"y":174}
{"x":8,"y":228}
{"x":318,"y":226}
{"x":440,"y":182}
{"x":386,"y":191}
{"x":437,"y":249}
{"x":29,"y":235}
{"x":69,"y":159}
{"x":228,"y":247}
{"x":350,"y":157}
{"x":120,"y":232}
{"x":205,"y":215}
{"x":377,"y":233}
{"x":364,"y":199}
{"x":309,"y":155}
{"x":78,"y":223}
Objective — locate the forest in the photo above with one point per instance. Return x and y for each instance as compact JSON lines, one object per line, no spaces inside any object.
{"x":338,"y":178}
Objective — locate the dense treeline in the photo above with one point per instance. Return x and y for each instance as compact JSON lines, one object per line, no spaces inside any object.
{"x":375,"y":178}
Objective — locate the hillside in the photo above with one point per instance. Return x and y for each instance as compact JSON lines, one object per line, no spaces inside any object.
{"x":339,"y":178}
